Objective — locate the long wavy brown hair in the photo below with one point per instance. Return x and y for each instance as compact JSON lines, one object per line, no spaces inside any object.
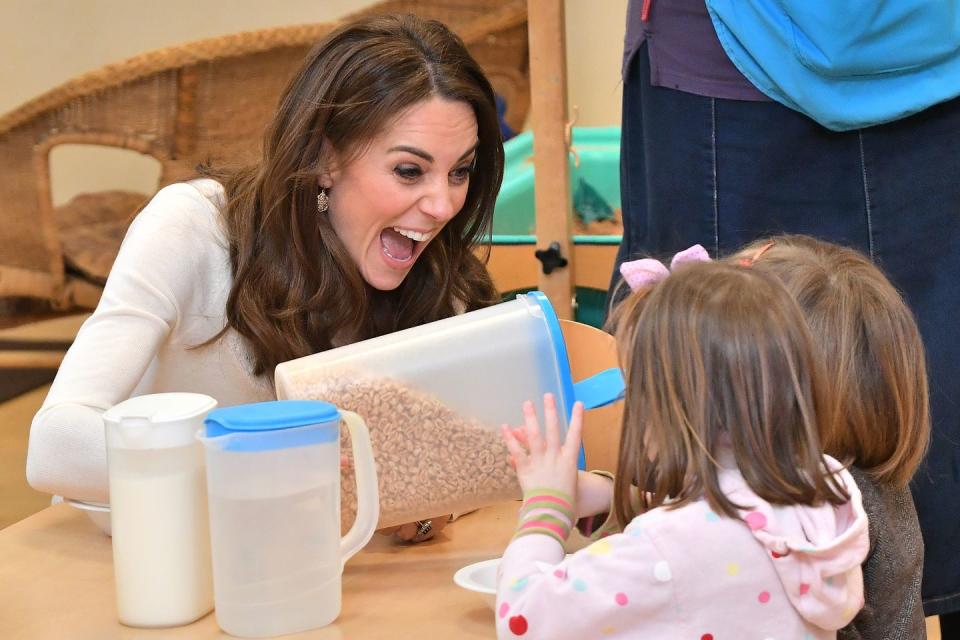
{"x":718,"y":356}
{"x":872,"y":349}
{"x":295,"y":288}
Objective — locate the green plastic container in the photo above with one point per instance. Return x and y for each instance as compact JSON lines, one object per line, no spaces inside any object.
{"x":598,"y":150}
{"x":514,"y":220}
{"x":591,"y":305}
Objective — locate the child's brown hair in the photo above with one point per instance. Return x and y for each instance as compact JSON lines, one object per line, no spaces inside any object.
{"x":717,"y":354}
{"x":871,"y":349}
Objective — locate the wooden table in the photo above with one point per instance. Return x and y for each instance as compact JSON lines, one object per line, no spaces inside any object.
{"x":56,"y":581}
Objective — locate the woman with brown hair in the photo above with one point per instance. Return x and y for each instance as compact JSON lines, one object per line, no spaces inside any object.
{"x":879,"y":421}
{"x":377,"y":179}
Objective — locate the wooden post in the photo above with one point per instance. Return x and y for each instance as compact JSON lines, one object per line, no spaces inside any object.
{"x":548,"y":103}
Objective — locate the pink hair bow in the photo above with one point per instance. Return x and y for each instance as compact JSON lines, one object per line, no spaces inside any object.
{"x":648,"y":271}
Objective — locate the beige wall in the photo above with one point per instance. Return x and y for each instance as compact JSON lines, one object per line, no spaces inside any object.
{"x":46,"y":42}
{"x":594,"y":51}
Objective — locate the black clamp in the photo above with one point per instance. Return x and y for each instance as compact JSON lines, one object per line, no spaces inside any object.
{"x":551,"y":258}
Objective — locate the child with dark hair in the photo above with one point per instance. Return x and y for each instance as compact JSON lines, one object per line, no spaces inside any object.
{"x":880,"y":418}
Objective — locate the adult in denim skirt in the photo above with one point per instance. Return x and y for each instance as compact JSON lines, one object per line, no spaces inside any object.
{"x":707,"y":158}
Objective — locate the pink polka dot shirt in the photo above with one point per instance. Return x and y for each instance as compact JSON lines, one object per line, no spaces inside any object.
{"x":780,"y":572}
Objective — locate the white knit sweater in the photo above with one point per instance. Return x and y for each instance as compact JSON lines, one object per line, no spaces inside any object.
{"x":167,"y":291}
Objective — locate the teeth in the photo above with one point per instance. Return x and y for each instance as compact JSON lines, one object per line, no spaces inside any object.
{"x":413,"y":235}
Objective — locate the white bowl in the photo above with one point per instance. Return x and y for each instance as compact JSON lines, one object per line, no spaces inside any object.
{"x":99,"y":513}
{"x":481,"y":578}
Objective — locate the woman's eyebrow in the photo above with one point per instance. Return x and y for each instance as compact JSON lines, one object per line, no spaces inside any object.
{"x":417,"y":152}
{"x":469,"y":151}
{"x":420,"y":153}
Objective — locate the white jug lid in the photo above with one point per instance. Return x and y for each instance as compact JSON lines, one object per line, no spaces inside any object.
{"x":157,"y":420}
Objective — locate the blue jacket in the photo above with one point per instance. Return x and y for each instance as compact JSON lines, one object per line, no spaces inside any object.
{"x":847,"y":64}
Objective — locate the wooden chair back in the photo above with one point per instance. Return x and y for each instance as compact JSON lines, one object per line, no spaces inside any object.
{"x":591,"y":351}
{"x":206,"y":101}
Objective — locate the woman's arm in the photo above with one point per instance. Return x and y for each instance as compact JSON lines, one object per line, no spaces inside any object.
{"x":154,"y":272}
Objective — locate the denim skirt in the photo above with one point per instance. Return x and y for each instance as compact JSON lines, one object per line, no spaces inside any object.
{"x":722,"y":173}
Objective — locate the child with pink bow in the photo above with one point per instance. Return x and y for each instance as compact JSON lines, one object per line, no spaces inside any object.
{"x":743,"y":528}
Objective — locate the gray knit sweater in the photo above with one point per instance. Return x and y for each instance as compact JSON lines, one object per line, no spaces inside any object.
{"x":892,"y":571}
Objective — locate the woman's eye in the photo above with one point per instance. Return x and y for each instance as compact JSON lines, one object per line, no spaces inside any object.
{"x":461,"y":175}
{"x":408,"y":172}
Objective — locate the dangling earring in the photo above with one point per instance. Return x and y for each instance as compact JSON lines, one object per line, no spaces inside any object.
{"x":323,"y":202}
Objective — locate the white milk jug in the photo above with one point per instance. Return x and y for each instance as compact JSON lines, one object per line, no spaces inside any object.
{"x":158,"y":509}
{"x":273,"y":479}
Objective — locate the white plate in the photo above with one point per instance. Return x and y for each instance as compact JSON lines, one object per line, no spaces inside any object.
{"x":99,"y":513}
{"x":481,"y":578}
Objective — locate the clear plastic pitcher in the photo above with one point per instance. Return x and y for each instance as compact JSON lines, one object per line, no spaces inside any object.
{"x":273,"y":480}
{"x":434,"y":397}
{"x":158,"y":509}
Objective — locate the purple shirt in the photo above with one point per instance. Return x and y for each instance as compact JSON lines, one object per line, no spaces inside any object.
{"x":685,"y":53}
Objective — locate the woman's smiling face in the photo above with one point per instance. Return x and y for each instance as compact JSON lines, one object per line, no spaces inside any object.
{"x":393,"y":199}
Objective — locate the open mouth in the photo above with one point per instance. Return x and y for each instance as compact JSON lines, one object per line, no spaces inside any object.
{"x":402,"y":245}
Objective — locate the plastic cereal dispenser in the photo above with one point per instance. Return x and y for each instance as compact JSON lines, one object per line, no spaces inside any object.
{"x":434,"y":397}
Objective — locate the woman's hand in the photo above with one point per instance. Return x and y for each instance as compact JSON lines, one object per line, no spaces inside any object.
{"x":543,"y":462}
{"x":412,"y":531}
{"x":418,"y":531}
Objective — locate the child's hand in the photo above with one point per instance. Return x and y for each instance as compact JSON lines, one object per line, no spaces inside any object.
{"x":542,"y":462}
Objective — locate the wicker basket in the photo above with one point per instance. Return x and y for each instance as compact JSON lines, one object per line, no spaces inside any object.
{"x":204,"y":101}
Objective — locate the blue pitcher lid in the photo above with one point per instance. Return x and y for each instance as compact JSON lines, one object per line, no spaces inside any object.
{"x":269,"y":416}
